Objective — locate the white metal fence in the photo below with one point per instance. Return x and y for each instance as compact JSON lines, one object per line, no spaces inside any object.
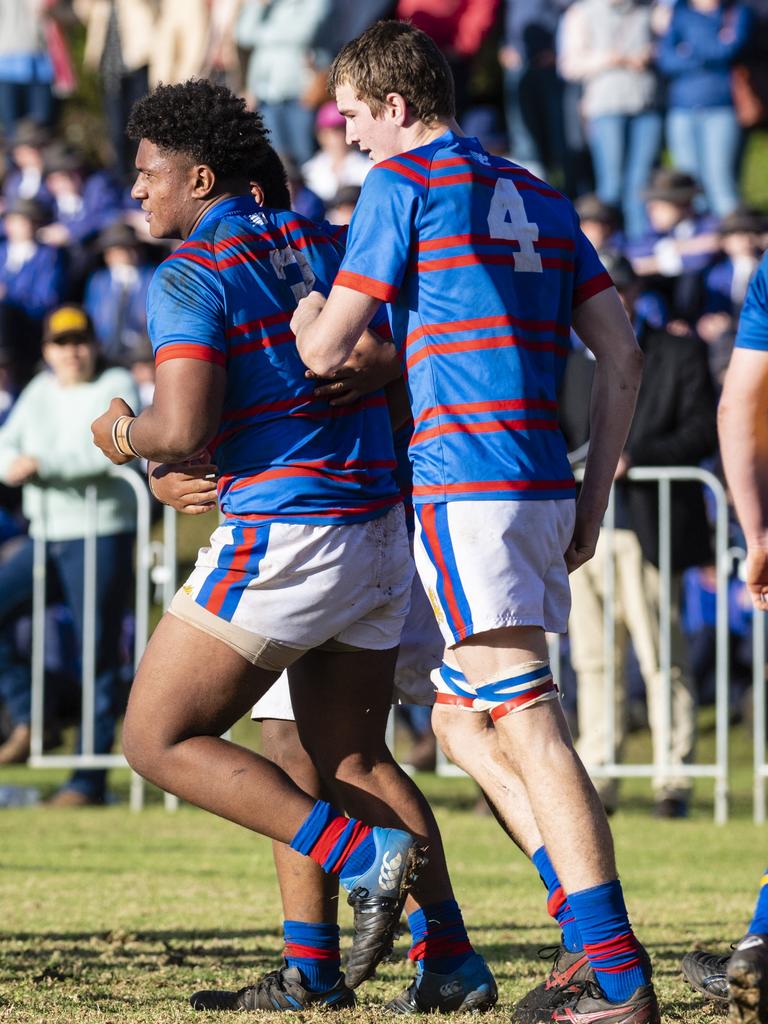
{"x":157,"y":564}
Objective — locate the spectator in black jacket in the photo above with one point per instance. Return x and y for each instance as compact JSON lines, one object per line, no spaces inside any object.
{"x":674,"y":425}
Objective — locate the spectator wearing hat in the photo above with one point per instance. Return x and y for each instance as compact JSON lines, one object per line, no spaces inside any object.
{"x":726,"y":283}
{"x":25,"y":179}
{"x":45,"y":449}
{"x":32,"y":280}
{"x":279,"y":37}
{"x":342,"y":206}
{"x":116,"y":294}
{"x":674,"y":425}
{"x":84,"y":201}
{"x":600,"y":222}
{"x":335,"y":164}
{"x":606,"y":45}
{"x":696,"y":54}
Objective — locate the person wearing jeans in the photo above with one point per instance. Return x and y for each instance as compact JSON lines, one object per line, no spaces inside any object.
{"x":45,"y":448}
{"x":696,"y":54}
{"x":606,"y":46}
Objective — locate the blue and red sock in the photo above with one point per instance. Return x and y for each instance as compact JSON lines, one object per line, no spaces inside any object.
{"x":314,"y":949}
{"x":341,"y":846}
{"x":759,"y":924}
{"x":609,"y":941}
{"x":439,"y":940}
{"x":557,"y":902}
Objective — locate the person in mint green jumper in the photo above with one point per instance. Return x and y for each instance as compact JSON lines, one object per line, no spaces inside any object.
{"x":45,"y":448}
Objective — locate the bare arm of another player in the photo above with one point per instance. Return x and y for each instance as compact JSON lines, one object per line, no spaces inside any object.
{"x":602,"y":325}
{"x":188,"y":487}
{"x":373,"y":364}
{"x":328,"y":330}
{"x":183,"y":418}
{"x":743,"y":428}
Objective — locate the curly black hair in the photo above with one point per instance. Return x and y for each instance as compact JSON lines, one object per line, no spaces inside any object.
{"x":269,"y":172}
{"x":206,"y":121}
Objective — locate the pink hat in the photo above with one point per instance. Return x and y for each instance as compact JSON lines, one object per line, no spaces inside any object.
{"x":328,"y":116}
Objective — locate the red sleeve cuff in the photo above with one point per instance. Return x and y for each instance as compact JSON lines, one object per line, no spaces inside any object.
{"x":368,"y":285}
{"x":593,"y":286}
{"x":184,"y":351}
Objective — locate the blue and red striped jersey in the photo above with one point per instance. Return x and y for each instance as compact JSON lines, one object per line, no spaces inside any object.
{"x":753,"y":323}
{"x":482,"y":264}
{"x":226,"y":295}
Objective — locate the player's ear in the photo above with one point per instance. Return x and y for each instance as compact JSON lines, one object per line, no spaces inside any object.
{"x":257,"y":192}
{"x":205,"y":180}
{"x":396,"y":109}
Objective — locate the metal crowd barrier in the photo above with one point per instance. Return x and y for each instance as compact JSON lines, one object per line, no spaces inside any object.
{"x":160,"y":567}
{"x":718,"y":770}
{"x":87,"y":758}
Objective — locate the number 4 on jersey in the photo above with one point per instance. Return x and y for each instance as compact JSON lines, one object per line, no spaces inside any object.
{"x":507,"y":219}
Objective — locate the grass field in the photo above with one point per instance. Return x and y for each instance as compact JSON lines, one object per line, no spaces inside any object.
{"x":113,"y":917}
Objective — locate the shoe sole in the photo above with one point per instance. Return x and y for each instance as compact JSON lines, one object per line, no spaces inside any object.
{"x":746,"y":1002}
{"x":415,"y":860}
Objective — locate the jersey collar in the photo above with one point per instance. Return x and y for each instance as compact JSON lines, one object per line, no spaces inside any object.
{"x":225,"y":208}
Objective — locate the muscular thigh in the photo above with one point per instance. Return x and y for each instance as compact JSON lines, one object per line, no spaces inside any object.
{"x":190,"y":683}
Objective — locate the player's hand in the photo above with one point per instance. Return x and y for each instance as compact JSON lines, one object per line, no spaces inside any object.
{"x":102,"y":430}
{"x":757,"y":576}
{"x":23,"y":468}
{"x":583,"y":543}
{"x":307,"y":311}
{"x":371,"y":366}
{"x":189,"y":487}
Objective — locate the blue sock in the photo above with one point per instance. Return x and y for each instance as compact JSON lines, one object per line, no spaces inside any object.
{"x":314,"y":949}
{"x":609,"y":941}
{"x":557,"y":902}
{"x":759,"y":925}
{"x":341,"y":846}
{"x":439,"y":940}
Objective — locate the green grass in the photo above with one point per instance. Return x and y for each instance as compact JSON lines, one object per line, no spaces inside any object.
{"x":108,"y":916}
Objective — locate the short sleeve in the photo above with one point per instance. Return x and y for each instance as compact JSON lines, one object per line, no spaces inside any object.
{"x":185,"y":309}
{"x":753,"y":324}
{"x":590,"y":276}
{"x":382,"y":229}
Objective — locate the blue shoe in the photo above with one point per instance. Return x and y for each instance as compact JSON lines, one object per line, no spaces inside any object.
{"x":470,"y":988}
{"x":377,"y":897}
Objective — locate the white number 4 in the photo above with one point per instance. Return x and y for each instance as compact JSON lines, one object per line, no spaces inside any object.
{"x":507,"y":219}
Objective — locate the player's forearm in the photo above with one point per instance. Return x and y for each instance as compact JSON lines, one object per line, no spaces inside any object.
{"x":328,"y":331}
{"x":744,"y":448}
{"x":614,"y":394}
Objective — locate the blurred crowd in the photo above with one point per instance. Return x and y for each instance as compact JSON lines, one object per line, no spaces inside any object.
{"x":641,"y":112}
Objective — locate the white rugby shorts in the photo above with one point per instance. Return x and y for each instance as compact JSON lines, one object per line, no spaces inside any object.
{"x":276,"y":590}
{"x":490,"y":564}
{"x":421,"y":651}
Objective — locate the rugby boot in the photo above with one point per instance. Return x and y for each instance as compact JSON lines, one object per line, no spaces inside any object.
{"x":591,"y":1007}
{"x":747,"y":974}
{"x":569,"y":973}
{"x":470,"y":988}
{"x":706,"y":972}
{"x":282,"y":989}
{"x":377,"y":897}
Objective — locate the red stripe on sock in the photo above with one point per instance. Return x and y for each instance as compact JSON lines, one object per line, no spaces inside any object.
{"x":429,"y":948}
{"x":556,"y":902}
{"x":359,"y":833}
{"x":293,"y":950}
{"x":328,"y":839}
{"x":519,"y":702}
{"x":625,"y":945}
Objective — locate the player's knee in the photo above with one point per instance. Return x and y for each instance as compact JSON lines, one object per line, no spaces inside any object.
{"x":142,"y":747}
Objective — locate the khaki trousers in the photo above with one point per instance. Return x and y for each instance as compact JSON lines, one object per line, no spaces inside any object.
{"x":636,"y":590}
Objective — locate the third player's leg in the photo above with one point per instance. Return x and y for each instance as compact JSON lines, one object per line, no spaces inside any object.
{"x":351,"y":752}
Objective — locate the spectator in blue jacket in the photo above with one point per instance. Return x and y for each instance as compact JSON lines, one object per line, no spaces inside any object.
{"x":116,"y":294}
{"x":32,"y":281}
{"x":84,"y":203}
{"x":26,"y":176}
{"x":696,"y":54}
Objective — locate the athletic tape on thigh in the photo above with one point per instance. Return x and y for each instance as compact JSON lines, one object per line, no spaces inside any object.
{"x":525,"y":685}
{"x":460,"y":695}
